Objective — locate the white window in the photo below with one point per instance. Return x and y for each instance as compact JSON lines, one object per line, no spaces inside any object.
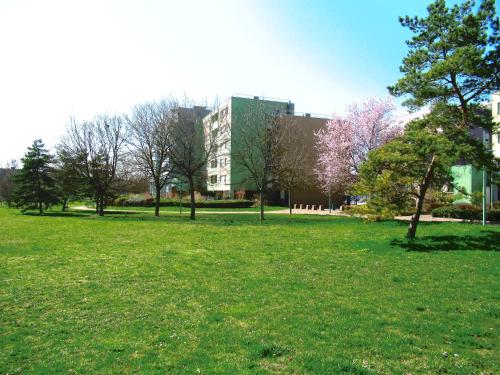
{"x":213,"y":179}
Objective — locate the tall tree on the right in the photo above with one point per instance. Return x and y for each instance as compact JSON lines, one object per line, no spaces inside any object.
{"x":453,"y":63}
{"x":454,"y":56}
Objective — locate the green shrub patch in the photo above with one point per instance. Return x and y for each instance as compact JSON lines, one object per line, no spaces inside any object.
{"x":150,"y":202}
{"x":465,"y":212}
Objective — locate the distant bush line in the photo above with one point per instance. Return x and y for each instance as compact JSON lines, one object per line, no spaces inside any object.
{"x":149,"y":202}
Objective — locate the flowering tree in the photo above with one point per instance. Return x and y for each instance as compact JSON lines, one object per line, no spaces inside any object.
{"x":345,"y":142}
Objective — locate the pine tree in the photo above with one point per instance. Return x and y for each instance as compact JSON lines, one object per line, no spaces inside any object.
{"x":453,"y":56}
{"x":35,"y":185}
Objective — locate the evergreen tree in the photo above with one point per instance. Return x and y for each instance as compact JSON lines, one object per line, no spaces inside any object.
{"x":35,"y":184}
{"x":398,"y":175}
{"x":454,"y":56}
{"x":453,"y":64}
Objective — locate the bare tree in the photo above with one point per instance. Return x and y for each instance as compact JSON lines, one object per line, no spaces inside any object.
{"x":97,"y":146}
{"x":191,"y":145}
{"x":7,"y":181}
{"x":292,"y":158}
{"x":257,"y":146}
{"x":69,"y":180}
{"x":148,"y":140}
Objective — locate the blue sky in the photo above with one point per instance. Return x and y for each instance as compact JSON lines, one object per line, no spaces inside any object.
{"x":79,"y":58}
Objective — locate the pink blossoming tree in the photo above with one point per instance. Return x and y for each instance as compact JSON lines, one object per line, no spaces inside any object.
{"x":345,"y":142}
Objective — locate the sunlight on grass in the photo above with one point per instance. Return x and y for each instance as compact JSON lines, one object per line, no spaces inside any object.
{"x":131,"y":293}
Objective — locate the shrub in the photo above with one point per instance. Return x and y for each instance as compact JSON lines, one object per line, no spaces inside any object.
{"x":119,"y":201}
{"x":465,"y":212}
{"x":435,"y":198}
{"x":150,"y":202}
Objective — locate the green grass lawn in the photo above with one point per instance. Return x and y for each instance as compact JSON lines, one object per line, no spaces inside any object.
{"x":130,"y":293}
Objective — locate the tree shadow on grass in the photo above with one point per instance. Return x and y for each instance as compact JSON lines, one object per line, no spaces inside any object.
{"x":404,"y":223}
{"x":229,"y":219}
{"x":57,"y":214}
{"x":486,"y":240}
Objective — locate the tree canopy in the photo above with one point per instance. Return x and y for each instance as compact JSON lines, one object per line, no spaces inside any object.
{"x":453,"y":56}
{"x":35,"y":186}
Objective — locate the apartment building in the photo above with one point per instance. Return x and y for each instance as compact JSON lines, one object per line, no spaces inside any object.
{"x":225,"y":177}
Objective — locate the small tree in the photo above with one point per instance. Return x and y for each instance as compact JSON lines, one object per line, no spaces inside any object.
{"x":345,"y":142}
{"x":35,"y":186}
{"x":257,"y":152}
{"x":97,"y":148}
{"x":149,"y":132}
{"x":292,"y":159}
{"x":403,"y":170}
{"x":7,"y":182}
{"x":191,"y":145}
{"x":70,"y":182}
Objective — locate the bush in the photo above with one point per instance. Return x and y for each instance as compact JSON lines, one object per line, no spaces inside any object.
{"x":119,"y":201}
{"x":150,"y":202}
{"x":465,"y":212}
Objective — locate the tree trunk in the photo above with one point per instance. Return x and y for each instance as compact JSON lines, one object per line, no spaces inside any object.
{"x":40,"y":207}
{"x":422,"y":189}
{"x":193,"y":203}
{"x":261,"y":197}
{"x":97,"y":203}
{"x":65,"y":204}
{"x":157,"y":198}
{"x":101,"y":206}
{"x":290,"y":201}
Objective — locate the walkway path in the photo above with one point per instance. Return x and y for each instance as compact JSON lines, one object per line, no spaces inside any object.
{"x":431,"y":219}
{"x":423,"y":218}
{"x":186,"y":210}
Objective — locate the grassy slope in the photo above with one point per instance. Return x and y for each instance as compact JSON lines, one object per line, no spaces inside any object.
{"x":227,"y":294}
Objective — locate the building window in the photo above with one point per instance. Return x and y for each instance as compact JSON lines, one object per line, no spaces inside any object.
{"x":498,"y":108}
{"x":222,"y":180}
{"x":213,"y":163}
{"x":213,"y":179}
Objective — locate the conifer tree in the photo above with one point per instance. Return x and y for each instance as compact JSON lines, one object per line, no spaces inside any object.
{"x":35,"y":184}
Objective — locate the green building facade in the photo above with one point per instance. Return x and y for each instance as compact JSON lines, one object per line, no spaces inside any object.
{"x":469,"y":178}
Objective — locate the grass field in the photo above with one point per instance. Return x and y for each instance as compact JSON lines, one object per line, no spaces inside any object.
{"x":227,"y":294}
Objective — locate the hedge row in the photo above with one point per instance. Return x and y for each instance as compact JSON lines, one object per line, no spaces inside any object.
{"x":150,"y":202}
{"x":465,"y":212}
